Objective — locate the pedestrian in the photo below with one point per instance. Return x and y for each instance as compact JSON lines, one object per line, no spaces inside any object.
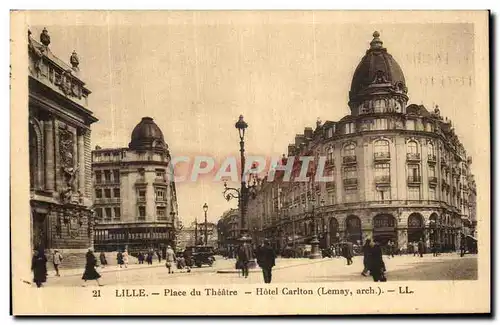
{"x":169,"y":259}
{"x":434,"y":249}
{"x":102,"y":258}
{"x":348,"y":252}
{"x":376,"y":263}
{"x":266,"y":259}
{"x":366,"y":252}
{"x":119,"y":259}
{"x":125,"y":258}
{"x":245,"y":254}
{"x":140,"y":258}
{"x":149,"y":258}
{"x":158,"y":254}
{"x":421,"y":247}
{"x":90,"y":272}
{"x":187,"y":259}
{"x":462,"y":245}
{"x":39,"y":267}
{"x":415,"y":246}
{"x":57,"y":260}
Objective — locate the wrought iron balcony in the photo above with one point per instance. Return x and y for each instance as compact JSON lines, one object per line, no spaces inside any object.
{"x":346,"y":160}
{"x":433,"y":180}
{"x":414,"y":179}
{"x":444,"y":162}
{"x":141,"y":199}
{"x":431,"y":158}
{"x":383,"y":180}
{"x":413,"y":156}
{"x":381,"y":156}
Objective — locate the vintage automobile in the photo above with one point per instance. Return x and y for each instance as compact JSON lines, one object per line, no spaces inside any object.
{"x":199,"y":255}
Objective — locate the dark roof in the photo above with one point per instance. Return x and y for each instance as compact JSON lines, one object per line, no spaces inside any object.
{"x":146,"y":136}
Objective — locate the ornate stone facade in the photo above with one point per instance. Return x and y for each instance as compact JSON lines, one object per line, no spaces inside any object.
{"x":59,"y":141}
{"x":399,"y":172}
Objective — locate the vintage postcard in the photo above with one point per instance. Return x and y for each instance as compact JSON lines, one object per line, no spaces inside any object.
{"x":250,"y":162}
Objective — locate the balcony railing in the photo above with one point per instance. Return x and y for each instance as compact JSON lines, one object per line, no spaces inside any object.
{"x":414,"y":179}
{"x":431,"y":158}
{"x":413,"y":156}
{"x":349,"y":160}
{"x":141,"y":181}
{"x":381,"y":156}
{"x":379,"y":180}
{"x":444,"y":162}
{"x":141,"y":199}
{"x":105,"y":200}
{"x":350,"y":181}
{"x":330,"y":185}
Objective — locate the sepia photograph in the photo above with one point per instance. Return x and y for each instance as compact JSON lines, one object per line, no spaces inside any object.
{"x":286,"y":156}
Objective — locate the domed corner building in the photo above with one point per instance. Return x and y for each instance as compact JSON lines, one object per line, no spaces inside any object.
{"x":400,"y":173}
{"x":134,"y":198}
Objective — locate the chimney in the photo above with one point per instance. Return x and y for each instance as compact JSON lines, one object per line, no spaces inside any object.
{"x":299,"y":139}
{"x":308,"y":133}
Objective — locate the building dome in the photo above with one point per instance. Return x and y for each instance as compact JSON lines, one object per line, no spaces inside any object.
{"x":147,"y":136}
{"x":377,"y":73}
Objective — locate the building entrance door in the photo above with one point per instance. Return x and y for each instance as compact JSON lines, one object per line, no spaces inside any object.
{"x":40,"y":235}
{"x":384,"y":229}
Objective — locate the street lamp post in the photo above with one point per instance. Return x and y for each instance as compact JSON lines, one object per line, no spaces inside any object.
{"x":205,"y":209}
{"x":196,"y":231}
{"x":315,"y":253}
{"x":244,"y":193}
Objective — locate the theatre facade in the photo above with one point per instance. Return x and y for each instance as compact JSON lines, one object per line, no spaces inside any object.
{"x":399,"y":172}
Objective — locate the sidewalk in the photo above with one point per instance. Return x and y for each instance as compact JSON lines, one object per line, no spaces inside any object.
{"x":281,"y":263}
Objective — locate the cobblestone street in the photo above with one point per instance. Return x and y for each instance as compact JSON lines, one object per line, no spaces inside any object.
{"x":444,"y":267}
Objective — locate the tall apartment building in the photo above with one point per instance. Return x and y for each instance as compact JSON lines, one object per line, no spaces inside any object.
{"x":134,"y":198}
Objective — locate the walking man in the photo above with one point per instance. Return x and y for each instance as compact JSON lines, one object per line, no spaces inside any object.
{"x":421,"y":247}
{"x":245,"y":254}
{"x":119,"y":259}
{"x":57,"y":260}
{"x":366,"y":252}
{"x":376,"y":263}
{"x":462,"y":245}
{"x":169,"y":259}
{"x":348,"y":252}
{"x":266,"y":258}
{"x":102,"y":258}
{"x":39,"y":267}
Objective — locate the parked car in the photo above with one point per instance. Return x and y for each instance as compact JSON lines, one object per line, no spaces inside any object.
{"x":199,"y":255}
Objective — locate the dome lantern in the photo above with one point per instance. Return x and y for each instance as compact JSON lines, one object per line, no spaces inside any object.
{"x":378,"y":83}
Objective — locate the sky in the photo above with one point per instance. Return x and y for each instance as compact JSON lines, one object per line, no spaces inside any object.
{"x":194,"y":73}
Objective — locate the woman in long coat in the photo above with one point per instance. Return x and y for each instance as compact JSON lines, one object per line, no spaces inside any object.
{"x":102,"y":257}
{"x":90,"y":272}
{"x":39,"y":267}
{"x":376,"y":264}
{"x":119,"y":259}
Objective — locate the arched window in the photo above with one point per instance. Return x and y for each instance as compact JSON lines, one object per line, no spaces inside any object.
{"x":432,"y":150}
{"x":381,"y":148}
{"x":412,"y":147}
{"x":379,"y":106}
{"x":349,"y":150}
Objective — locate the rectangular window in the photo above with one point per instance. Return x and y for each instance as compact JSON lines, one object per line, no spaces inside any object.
{"x":142,"y":213}
{"x":160,"y":173}
{"x":116,"y":175}
{"x":380,"y":124}
{"x":117,"y":213}
{"x":410,"y":125}
{"x":350,"y":172}
{"x":107,"y":193}
{"x":351,"y":195}
{"x":116,"y":192}
{"x":382,"y":170}
{"x":107,"y":176}
{"x":414,"y":172}
{"x":432,"y":193}
{"x":98,"y":177}
{"x":160,"y":195}
{"x":142,"y":193}
{"x":383,"y":194}
{"x":161,"y":213}
{"x":108,"y":213}
{"x":414,"y":193}
{"x":98,"y":193}
{"x":349,"y":128}
{"x":329,"y":133}
{"x":98,"y":212}
{"x":432,"y":171}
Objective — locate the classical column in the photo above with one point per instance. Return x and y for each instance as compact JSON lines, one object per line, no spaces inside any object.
{"x":49,"y":155}
{"x":81,"y":160}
